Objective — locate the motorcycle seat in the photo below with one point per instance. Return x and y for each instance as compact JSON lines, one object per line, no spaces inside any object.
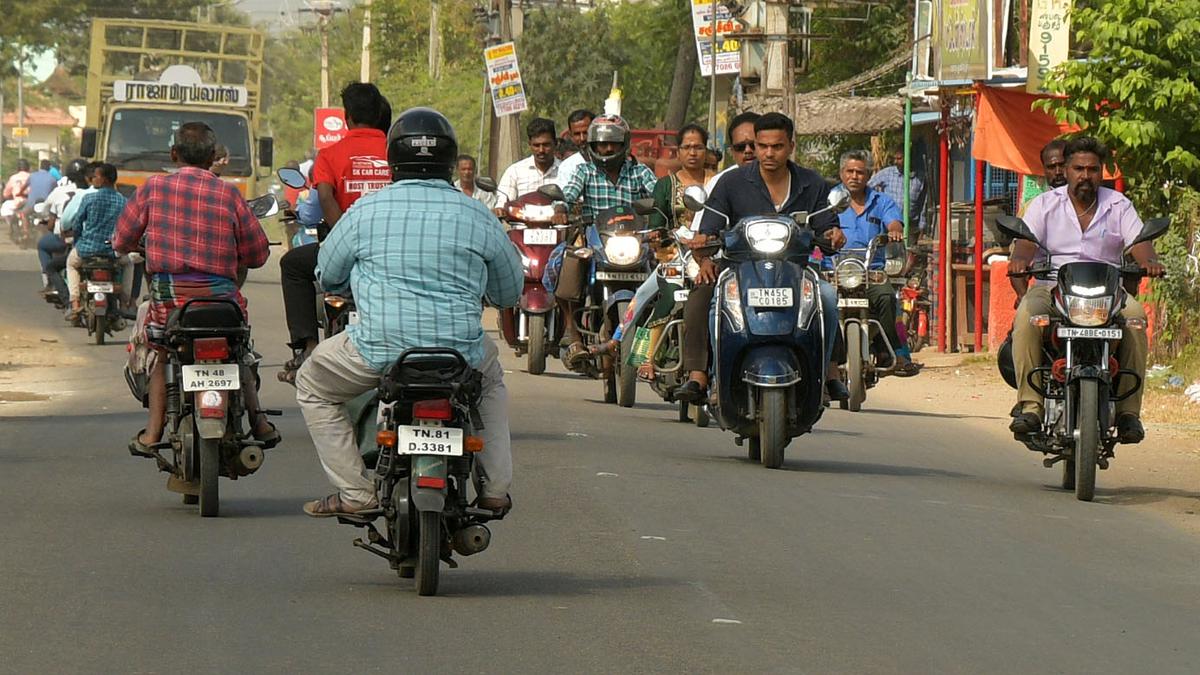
{"x":421,"y":374}
{"x":99,"y":262}
{"x":216,"y":317}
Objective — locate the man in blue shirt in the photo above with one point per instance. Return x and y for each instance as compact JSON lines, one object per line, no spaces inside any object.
{"x":94,"y":225}
{"x":41,"y":183}
{"x":872,"y":213}
{"x":421,"y":258}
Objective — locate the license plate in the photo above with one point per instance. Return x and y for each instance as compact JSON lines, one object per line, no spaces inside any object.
{"x":621,"y":276}
{"x":681,"y":295}
{"x":210,"y":377}
{"x":853,"y":302}
{"x":541,"y":237}
{"x":1092,"y":333}
{"x":446,"y":441}
{"x":352,"y":319}
{"x":310,"y":231}
{"x":100,"y":287}
{"x":769,"y":297}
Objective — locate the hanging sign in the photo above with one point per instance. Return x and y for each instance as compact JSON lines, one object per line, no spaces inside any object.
{"x":729,"y":50}
{"x":181,"y":85}
{"x":329,"y":127}
{"x":504,"y":79}
{"x":963,"y":27}
{"x":1049,"y":38}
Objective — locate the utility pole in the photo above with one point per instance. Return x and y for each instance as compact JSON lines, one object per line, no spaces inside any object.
{"x":712,"y":80}
{"x":435,"y":41}
{"x":21,"y":103}
{"x":324,"y":9}
{"x":365,"y":74}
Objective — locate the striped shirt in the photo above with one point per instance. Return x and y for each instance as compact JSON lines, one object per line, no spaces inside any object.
{"x":420,"y":257}
{"x":96,"y":222}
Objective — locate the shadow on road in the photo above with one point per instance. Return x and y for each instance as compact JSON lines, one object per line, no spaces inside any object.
{"x":867,"y":469}
{"x":916,"y":413}
{"x":543,"y":583}
{"x":1135,"y":495}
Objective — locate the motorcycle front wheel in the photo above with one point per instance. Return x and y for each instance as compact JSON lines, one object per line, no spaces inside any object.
{"x":854,"y":370}
{"x":772,"y":427}
{"x":536,"y":358}
{"x":429,"y":553}
{"x":1087,"y":447}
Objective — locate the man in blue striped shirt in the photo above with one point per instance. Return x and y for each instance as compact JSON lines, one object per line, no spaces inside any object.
{"x":421,"y":258}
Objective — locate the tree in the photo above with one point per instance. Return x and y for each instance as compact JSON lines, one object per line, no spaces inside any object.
{"x":1138,"y":91}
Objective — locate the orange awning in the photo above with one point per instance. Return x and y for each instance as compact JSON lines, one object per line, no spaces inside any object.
{"x":1009,"y":134}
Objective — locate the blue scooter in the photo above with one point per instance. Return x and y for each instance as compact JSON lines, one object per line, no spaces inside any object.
{"x":768,"y":366}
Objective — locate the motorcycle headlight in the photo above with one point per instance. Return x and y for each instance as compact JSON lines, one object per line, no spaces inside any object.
{"x":851,"y":273}
{"x":623,"y":250}
{"x":731,"y":300}
{"x":893,"y":266}
{"x":768,"y":236}
{"x":1088,"y":311}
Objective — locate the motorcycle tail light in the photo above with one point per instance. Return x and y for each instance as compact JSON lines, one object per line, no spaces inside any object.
{"x":210,"y":349}
{"x":433,"y":409}
{"x":386,"y":438}
{"x":431,"y":482}
{"x":1059,"y":370}
{"x":101,"y":275}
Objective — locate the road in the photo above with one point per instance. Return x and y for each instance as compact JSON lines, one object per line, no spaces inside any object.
{"x":892,"y":543}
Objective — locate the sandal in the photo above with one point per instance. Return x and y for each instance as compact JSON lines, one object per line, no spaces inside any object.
{"x":497,"y":505}
{"x":269,"y":439}
{"x":907,"y":369}
{"x":139,"y":449}
{"x":291,"y":366}
{"x":575,"y":353}
{"x":334,"y":505}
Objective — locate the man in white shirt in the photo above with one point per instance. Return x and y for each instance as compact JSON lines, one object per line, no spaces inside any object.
{"x":577,"y":124}
{"x":52,"y":249}
{"x":538,"y":169}
{"x":466,"y":182}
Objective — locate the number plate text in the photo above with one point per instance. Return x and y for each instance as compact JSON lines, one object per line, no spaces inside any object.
{"x":853,"y":302}
{"x":100,"y":287}
{"x":769,"y":297}
{"x":541,"y":237}
{"x":446,"y":441}
{"x":1093,"y":333}
{"x":210,"y":377}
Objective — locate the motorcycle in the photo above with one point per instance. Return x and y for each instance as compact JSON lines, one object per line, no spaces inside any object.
{"x":101,"y":307}
{"x":914,"y":303}
{"x":867,"y":347}
{"x":418,"y":432}
{"x":1079,"y":378}
{"x":534,"y":325}
{"x":209,"y":354}
{"x":768,"y":371}
{"x":620,"y":262}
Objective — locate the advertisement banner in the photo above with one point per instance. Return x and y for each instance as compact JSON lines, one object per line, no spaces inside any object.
{"x":504,"y":79}
{"x":329,"y":127}
{"x":962,"y":39}
{"x":1049,"y":37}
{"x":729,"y":50}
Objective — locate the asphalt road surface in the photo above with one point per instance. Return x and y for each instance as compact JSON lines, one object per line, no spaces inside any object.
{"x":891,"y":542}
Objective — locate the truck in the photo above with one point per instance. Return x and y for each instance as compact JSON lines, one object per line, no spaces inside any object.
{"x":146,"y":78}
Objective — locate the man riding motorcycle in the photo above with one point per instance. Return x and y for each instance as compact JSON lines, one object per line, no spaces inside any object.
{"x":1079,"y":221}
{"x":421,"y":257}
{"x":612,"y":178}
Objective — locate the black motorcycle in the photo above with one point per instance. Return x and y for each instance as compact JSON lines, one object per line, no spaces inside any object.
{"x":420,"y":431}
{"x":100,"y":289}
{"x":1079,"y":378}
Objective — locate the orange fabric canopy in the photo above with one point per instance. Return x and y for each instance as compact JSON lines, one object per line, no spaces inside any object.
{"x":1009,"y":134}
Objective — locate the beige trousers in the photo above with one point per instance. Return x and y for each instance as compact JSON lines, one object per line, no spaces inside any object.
{"x":1027,"y":346}
{"x":75,"y":263}
{"x":335,"y":373}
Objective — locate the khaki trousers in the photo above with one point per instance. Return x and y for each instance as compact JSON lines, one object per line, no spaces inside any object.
{"x":335,"y":373}
{"x":75,"y":263}
{"x":1027,"y":346}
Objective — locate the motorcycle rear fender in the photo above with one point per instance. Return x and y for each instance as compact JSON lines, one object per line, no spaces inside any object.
{"x":622,"y":295}
{"x":427,"y":466}
{"x":100,"y":307}
{"x":210,"y":426}
{"x":771,"y":366}
{"x":535,"y":299}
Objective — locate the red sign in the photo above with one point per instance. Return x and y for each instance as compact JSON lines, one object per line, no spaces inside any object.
{"x":329,"y":127}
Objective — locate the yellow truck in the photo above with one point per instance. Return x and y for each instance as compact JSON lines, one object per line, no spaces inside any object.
{"x":146,"y":78}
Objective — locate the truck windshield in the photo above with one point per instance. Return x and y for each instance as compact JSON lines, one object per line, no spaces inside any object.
{"x":141,"y":139}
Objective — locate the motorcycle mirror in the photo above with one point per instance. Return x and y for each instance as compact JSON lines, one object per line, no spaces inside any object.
{"x":264,"y":206}
{"x":643,"y":207}
{"x":292,"y":178}
{"x":1151,"y":230}
{"x":485,"y":183}
{"x":694,"y":197}
{"x":1015,"y":228}
{"x":553,"y":192}
{"x":839,"y":199}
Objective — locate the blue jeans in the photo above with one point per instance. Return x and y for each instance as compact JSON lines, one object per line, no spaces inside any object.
{"x":47,"y":247}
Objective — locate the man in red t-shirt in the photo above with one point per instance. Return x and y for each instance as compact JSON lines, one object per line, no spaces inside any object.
{"x":343,"y":172}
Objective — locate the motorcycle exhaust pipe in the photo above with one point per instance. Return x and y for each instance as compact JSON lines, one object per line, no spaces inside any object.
{"x":249,"y":459}
{"x":472,"y":539}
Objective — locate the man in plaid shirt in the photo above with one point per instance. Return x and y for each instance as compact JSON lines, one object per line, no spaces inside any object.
{"x":94,"y":226}
{"x":612,"y":178}
{"x":200,"y":237}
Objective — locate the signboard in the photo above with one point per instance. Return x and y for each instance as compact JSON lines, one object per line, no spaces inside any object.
{"x":20,"y":132}
{"x":329,"y":127}
{"x":962,"y":39}
{"x":1049,"y":37}
{"x":729,"y":50}
{"x":504,"y":79}
{"x":179,"y":85}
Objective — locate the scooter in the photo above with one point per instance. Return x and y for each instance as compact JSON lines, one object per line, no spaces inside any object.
{"x":768,"y":369}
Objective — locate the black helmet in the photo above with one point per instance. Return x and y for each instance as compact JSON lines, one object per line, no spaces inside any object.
{"x":608,"y":129}
{"x":1004,"y":361}
{"x":75,"y":169}
{"x":421,"y":144}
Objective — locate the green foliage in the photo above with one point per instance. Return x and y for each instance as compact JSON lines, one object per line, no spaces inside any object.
{"x":1139,"y":92}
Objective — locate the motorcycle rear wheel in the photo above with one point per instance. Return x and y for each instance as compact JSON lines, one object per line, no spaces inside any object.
{"x":854,"y":370}
{"x":98,"y":323}
{"x":536,"y":358}
{"x":429,"y":553}
{"x":772,"y":427}
{"x":210,"y":462}
{"x":1087,"y":447}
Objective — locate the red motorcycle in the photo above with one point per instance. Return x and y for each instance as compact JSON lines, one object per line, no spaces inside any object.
{"x":533,"y":328}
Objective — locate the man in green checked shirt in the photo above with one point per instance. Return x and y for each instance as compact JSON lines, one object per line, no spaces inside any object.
{"x":612,"y":178}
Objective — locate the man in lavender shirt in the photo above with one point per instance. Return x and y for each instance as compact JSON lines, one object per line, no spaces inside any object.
{"x":1079,"y":221}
